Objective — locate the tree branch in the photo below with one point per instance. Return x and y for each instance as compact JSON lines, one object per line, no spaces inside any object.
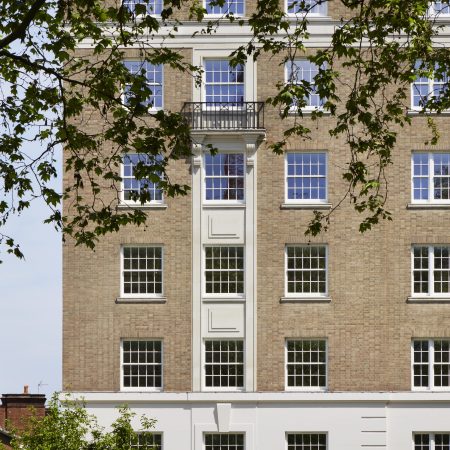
{"x":23,"y":26}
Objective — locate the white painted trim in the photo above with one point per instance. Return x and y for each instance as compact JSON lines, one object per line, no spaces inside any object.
{"x":152,"y":109}
{"x":115,"y":398}
{"x":220,"y":203}
{"x":305,"y":203}
{"x":219,"y":388}
{"x":308,"y":388}
{"x":306,"y":295}
{"x":431,"y":387}
{"x":430,"y":294}
{"x":430,"y":201}
{"x":139,"y":389}
{"x":201,"y":428}
{"x":124,"y":296}
{"x":199,"y":55}
{"x":157,"y":204}
{"x":227,"y":296}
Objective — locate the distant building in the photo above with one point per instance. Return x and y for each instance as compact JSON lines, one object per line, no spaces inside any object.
{"x":15,"y":411}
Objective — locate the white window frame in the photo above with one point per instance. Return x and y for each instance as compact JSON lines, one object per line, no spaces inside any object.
{"x":142,"y":16}
{"x":430,"y":293}
{"x":430,"y":178}
{"x":430,"y":386}
{"x":153,"y":109}
{"x":432,"y":438}
{"x":303,"y":294}
{"x":221,"y":58}
{"x":223,"y":433}
{"x":214,"y":16}
{"x":153,"y":433}
{"x":305,"y":201}
{"x":221,"y":295}
{"x":308,"y":108}
{"x":305,"y":432}
{"x":131,"y":202}
{"x":305,"y":14}
{"x":434,"y":14}
{"x":223,"y":202}
{"x":305,"y":388}
{"x":122,"y":272}
{"x":141,"y":389}
{"x":430,"y":84}
{"x":203,"y":361}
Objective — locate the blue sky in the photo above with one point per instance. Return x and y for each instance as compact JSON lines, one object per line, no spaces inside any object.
{"x":31,"y":307}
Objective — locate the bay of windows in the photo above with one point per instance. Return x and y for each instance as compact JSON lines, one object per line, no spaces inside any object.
{"x":431,"y":270}
{"x":306,"y":177}
{"x":431,"y":177}
{"x":154,"y":81}
{"x":224,"y":83}
{"x":431,"y":364}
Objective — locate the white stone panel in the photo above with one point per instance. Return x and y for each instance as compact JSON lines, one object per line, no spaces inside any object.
{"x":223,"y":319}
{"x":224,"y":226}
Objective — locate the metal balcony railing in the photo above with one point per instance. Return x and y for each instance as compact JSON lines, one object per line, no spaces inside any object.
{"x":224,"y":116}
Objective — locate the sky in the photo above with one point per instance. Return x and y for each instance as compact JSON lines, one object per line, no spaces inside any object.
{"x":31,"y":307}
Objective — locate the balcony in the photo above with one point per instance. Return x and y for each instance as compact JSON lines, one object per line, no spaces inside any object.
{"x":222,"y":116}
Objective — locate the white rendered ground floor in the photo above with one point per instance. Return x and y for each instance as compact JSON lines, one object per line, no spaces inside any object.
{"x":350,"y":420}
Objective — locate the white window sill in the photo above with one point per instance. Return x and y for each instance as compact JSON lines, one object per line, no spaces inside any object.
{"x":222,"y":16}
{"x":305,"y":299}
{"x":308,"y":111}
{"x":305,"y":389}
{"x":421,"y":112}
{"x":310,"y":16}
{"x":223,"y":389}
{"x":223,"y":205}
{"x":141,"y":299}
{"x":135,"y":389}
{"x":428,"y":206}
{"x":314,"y":206}
{"x":126,"y":206}
{"x":428,"y":299}
{"x":209,"y":299}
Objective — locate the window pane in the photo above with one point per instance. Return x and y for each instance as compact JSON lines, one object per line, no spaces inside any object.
{"x":142,"y":270}
{"x":306,"y":270}
{"x":142,"y":364}
{"x":224,"y":363}
{"x":307,"y":441}
{"x":306,"y":363}
{"x":224,"y":176}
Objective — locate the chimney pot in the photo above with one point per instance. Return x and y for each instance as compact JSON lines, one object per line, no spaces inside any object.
{"x":25,"y":389}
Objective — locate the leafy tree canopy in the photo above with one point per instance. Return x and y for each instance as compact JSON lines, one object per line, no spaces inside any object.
{"x":381,"y":46}
{"x":67,"y":425}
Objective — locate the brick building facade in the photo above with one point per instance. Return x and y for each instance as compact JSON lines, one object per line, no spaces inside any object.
{"x":237,"y":327}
